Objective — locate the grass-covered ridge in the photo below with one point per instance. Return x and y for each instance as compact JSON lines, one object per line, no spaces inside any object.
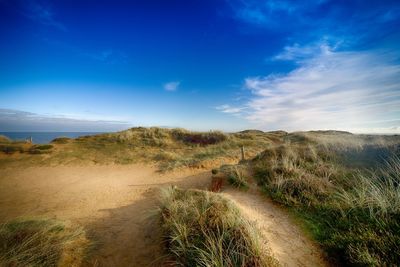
{"x":169,"y":148}
{"x":345,"y":188}
{"x":204,"y":229}
{"x":41,"y":242}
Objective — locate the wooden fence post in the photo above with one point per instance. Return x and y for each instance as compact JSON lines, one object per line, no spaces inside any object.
{"x":242,"y":150}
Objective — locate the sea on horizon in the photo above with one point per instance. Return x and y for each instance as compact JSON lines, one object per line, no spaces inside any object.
{"x":44,"y":137}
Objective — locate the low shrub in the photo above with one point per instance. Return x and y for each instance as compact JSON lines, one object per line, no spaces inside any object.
{"x":40,"y":149}
{"x":61,"y":140}
{"x":11,"y":148}
{"x":43,"y":147}
{"x":236,"y":177}
{"x":209,"y":138}
{"x":204,"y":229}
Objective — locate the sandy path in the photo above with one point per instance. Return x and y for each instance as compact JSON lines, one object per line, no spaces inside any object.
{"x":285,"y":239}
{"x":112,"y":202}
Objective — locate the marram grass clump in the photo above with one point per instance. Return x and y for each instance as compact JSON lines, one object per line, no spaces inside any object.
{"x":41,"y":242}
{"x":204,"y":229}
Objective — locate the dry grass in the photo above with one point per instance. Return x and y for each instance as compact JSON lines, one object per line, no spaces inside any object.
{"x":204,"y":229}
{"x":376,"y":191}
{"x":345,"y":188}
{"x":169,"y":148}
{"x":41,"y":242}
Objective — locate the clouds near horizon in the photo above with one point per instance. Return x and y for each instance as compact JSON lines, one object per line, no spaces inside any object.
{"x":16,"y":120}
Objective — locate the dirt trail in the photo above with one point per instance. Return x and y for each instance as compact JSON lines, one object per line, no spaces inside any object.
{"x":287,"y":242}
{"x":114,"y":202}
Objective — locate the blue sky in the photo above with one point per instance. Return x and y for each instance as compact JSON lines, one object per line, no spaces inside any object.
{"x":228,"y":65}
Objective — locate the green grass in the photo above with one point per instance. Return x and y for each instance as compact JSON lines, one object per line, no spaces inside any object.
{"x":41,"y":242}
{"x":204,"y":229}
{"x":352,"y":209}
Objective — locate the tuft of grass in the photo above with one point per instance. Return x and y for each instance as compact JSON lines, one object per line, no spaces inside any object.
{"x":41,"y":242}
{"x":236,"y":176}
{"x":204,"y":229}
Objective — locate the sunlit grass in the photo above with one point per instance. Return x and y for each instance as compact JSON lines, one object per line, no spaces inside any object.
{"x":41,"y":242}
{"x":204,"y":229}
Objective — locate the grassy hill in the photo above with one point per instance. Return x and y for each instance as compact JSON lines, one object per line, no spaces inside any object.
{"x":344,"y":188}
{"x":168,"y":148}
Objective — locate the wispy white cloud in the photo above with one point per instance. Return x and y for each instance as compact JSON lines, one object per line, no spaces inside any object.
{"x":230,"y":110}
{"x":172,"y":86}
{"x":328,"y":90}
{"x":298,"y":52}
{"x":270,"y":12}
{"x":42,"y":14}
{"x":109,"y":56}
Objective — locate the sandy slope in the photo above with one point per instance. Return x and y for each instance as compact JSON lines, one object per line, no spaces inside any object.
{"x":114,"y":204}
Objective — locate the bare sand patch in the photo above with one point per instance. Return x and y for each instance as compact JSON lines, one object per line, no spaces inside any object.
{"x":112,"y":202}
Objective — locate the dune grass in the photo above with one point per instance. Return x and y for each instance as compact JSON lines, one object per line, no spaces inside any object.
{"x":41,"y":242}
{"x":204,"y":229}
{"x":168,"y":148}
{"x":352,"y":209}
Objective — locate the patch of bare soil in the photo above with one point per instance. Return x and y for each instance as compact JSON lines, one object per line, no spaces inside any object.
{"x":112,"y":202}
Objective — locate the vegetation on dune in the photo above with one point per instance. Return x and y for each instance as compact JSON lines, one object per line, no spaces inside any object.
{"x":61,"y":140}
{"x":170,"y":148}
{"x":4,"y":139}
{"x":344,"y":187}
{"x":204,"y":229}
{"x":41,"y":242}
{"x":351,"y":206}
{"x":236,"y":175}
{"x":9,"y":147}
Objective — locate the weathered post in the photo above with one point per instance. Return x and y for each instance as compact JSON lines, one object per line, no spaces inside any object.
{"x":242,"y":150}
